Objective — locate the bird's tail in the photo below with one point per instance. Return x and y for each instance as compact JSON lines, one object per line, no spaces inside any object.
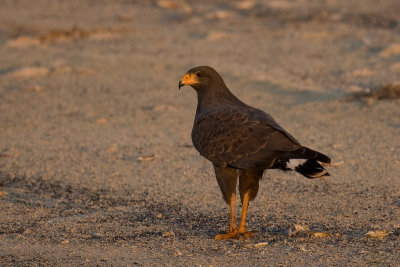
{"x":306,"y":162}
{"x":311,"y":169}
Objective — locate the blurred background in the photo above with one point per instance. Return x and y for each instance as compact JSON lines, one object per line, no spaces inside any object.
{"x":95,"y":137}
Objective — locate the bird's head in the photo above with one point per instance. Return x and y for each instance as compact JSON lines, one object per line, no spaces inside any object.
{"x":201,"y":78}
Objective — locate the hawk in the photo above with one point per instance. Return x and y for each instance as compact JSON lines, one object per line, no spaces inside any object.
{"x":242,"y":142}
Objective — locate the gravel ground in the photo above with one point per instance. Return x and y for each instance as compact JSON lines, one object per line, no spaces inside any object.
{"x":96,"y":162}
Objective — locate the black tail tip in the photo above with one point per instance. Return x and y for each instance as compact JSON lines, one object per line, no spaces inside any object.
{"x":312,"y":169}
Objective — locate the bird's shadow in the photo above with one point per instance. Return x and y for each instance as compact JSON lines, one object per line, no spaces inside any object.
{"x":109,"y":217}
{"x":140,"y":215}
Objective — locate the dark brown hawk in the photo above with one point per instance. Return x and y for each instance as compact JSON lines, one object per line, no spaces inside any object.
{"x":241,"y":142}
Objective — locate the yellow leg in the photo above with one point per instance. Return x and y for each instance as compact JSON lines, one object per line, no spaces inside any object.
{"x":233,"y":233}
{"x":232,"y":227}
{"x":232,"y":224}
{"x":242,"y":225}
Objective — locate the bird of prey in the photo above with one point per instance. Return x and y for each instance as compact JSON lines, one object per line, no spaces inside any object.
{"x":241,"y":142}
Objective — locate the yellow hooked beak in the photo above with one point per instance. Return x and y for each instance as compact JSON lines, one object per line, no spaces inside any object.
{"x":187,"y":79}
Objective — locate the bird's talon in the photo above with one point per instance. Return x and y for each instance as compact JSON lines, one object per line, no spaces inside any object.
{"x":243,"y":235}
{"x":229,"y":235}
{"x":234,"y":235}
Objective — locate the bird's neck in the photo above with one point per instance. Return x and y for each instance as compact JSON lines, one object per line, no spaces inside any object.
{"x":215,"y":98}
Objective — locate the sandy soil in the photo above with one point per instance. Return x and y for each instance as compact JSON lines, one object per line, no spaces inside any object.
{"x":96,"y":161}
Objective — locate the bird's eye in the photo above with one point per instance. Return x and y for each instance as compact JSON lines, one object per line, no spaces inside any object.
{"x":199,"y":74}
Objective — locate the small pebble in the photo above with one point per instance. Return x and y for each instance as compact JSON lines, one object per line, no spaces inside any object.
{"x":64,"y":242}
{"x":178,"y":253}
{"x":261,"y":244}
{"x":168,"y":234}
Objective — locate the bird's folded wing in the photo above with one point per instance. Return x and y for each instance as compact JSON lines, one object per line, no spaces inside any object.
{"x":241,"y":138}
